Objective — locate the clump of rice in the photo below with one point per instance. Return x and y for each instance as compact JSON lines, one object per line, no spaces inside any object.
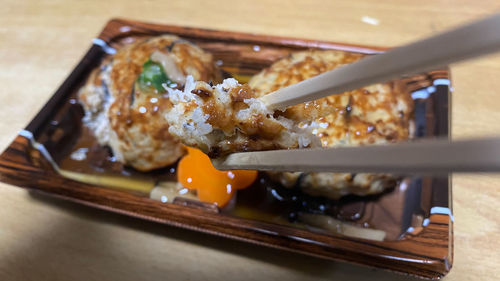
{"x":191,"y":124}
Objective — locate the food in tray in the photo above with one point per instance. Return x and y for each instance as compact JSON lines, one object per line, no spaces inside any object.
{"x":124,"y":98}
{"x":135,"y":166}
{"x":157,"y":93}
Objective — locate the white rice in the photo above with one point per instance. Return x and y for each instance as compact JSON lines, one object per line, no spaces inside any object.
{"x":192,"y":126}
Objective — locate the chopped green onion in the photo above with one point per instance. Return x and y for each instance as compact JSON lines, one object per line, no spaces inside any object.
{"x":153,"y":76}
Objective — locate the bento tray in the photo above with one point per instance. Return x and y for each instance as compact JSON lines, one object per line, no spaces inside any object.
{"x":424,"y":248}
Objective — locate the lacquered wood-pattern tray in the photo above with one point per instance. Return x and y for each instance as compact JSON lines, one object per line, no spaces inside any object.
{"x":424,"y":248}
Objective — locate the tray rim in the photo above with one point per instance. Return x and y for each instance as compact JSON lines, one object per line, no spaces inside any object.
{"x":86,"y":62}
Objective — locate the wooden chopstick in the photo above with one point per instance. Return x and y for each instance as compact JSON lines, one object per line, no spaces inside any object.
{"x":439,"y":156}
{"x":469,"y":41}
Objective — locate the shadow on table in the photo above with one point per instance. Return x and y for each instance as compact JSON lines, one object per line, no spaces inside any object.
{"x":302,"y":264}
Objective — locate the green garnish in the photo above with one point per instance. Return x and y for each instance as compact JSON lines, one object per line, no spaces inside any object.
{"x":153,"y":76}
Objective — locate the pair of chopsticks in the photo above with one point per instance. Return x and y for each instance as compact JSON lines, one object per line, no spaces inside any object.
{"x":432,"y":156}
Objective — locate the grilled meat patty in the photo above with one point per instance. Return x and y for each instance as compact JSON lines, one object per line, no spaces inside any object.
{"x":376,"y":114}
{"x":125,"y":100}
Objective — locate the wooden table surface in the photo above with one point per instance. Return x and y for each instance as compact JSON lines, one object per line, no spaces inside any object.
{"x":47,"y":239}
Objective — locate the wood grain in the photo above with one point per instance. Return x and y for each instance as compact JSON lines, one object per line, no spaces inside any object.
{"x":44,"y":239}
